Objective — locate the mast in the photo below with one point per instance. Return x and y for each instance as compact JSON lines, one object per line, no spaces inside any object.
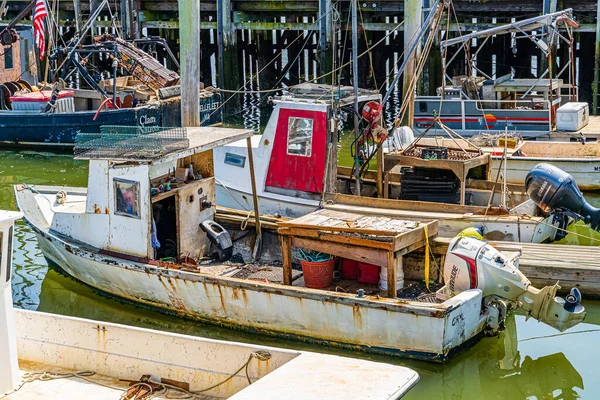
{"x":355,"y":81}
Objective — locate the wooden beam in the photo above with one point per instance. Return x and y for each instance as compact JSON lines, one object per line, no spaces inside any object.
{"x":286,"y":251}
{"x":391,"y":274}
{"x":362,"y":254}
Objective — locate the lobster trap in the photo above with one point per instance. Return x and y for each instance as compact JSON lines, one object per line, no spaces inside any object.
{"x":130,"y":143}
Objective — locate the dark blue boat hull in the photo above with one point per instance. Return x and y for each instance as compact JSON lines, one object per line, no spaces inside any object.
{"x":57,"y":130}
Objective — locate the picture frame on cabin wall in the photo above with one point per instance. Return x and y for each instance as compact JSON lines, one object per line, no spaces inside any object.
{"x":127,"y":198}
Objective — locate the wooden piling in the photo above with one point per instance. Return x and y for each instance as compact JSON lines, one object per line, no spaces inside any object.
{"x":189,"y":20}
{"x":413,"y":18}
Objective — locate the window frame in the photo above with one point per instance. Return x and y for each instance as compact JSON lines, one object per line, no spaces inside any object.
{"x":291,"y":121}
{"x":8,"y":52}
{"x":137,"y":201}
{"x":240,"y":158}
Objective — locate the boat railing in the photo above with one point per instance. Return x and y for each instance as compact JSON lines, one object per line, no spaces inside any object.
{"x":487,"y":110}
{"x":569,"y":93}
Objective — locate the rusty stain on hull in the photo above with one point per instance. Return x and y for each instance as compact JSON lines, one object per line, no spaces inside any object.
{"x":289,"y":312}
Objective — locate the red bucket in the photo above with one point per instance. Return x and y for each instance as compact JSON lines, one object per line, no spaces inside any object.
{"x":349,"y":269}
{"x":318,"y":275}
{"x":368,"y":273}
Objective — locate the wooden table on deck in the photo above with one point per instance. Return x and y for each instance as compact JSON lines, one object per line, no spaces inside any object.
{"x":372,"y":239}
{"x":460,"y":168}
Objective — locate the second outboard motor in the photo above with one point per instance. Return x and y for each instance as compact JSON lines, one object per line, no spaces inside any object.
{"x":554,"y":190}
{"x":220,"y":238}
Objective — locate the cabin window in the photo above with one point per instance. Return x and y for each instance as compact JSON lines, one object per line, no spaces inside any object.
{"x":8,"y":58}
{"x":127,"y":198}
{"x":423,"y":106}
{"x":300,"y":132}
{"x":234,"y":159}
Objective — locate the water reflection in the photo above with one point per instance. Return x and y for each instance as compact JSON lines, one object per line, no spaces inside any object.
{"x":503,"y":368}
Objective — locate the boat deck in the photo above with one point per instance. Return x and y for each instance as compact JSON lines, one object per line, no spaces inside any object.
{"x":95,"y":387}
{"x":274,"y":274}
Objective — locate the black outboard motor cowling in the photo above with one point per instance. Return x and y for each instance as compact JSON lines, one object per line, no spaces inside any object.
{"x":554,"y":190}
{"x":220,"y":239}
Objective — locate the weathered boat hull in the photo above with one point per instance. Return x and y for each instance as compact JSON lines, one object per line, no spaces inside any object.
{"x":60,"y":130}
{"x":393,"y":327}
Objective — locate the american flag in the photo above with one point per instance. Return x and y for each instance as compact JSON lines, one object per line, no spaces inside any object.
{"x":41,"y":12}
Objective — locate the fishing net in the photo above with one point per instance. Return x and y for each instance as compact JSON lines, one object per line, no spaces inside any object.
{"x":130,"y":142}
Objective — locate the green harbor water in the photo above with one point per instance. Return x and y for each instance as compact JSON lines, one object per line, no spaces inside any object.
{"x":528,"y":360}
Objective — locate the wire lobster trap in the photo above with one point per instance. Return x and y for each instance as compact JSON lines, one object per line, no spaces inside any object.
{"x":130,"y":142}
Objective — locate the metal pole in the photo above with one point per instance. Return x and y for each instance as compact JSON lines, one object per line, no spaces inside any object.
{"x":115,"y":65}
{"x":220,"y":47}
{"x":77,"y":12}
{"x":355,"y":81}
{"x":189,"y":32}
{"x":596,"y":63}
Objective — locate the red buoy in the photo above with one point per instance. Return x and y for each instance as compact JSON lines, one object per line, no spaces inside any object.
{"x":371,"y":111}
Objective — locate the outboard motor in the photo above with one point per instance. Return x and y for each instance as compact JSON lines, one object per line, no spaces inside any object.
{"x":555,"y":191}
{"x":473,"y":264}
{"x":220,"y":238}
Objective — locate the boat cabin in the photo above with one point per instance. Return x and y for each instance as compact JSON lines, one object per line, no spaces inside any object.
{"x":296,"y":156}
{"x":147,"y":193}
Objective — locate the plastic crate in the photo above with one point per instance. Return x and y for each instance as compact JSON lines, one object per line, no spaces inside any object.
{"x":434,"y":153}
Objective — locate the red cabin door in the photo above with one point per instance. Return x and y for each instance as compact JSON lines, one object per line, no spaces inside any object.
{"x":299,"y":151}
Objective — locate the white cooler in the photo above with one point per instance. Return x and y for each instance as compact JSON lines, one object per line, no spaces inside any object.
{"x":36,"y":102}
{"x":572,"y":116}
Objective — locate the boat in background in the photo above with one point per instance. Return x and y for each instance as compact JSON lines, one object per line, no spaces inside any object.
{"x":582,"y":161}
{"x":33,"y":114}
{"x":478,"y":103}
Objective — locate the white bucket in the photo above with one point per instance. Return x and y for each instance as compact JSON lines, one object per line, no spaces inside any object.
{"x":383,"y":279}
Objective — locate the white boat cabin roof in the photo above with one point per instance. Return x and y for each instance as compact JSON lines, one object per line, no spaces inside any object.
{"x":190,"y":141}
{"x":327,"y":94}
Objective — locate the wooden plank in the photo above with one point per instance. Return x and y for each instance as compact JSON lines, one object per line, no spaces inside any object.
{"x":416,"y":235}
{"x":286,"y":251}
{"x":372,"y":202}
{"x":337,"y":238}
{"x":338,"y":228}
{"x":406,"y":239}
{"x":371,"y":256}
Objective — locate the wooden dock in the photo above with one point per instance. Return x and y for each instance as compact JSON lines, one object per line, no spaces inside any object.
{"x":544,"y":264}
{"x":591,"y":132}
{"x":238,"y":35}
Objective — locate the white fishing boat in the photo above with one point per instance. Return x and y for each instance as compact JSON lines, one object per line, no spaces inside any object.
{"x":297,"y":152}
{"x":56,"y":357}
{"x":582,"y":161}
{"x":125,"y":237}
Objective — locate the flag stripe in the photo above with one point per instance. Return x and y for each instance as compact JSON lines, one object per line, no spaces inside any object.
{"x":41,"y":12}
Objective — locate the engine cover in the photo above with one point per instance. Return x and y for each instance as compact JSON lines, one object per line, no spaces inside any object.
{"x":473,"y":264}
